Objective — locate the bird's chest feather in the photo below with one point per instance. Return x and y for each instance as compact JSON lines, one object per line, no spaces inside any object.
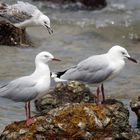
{"x":43,"y":84}
{"x":117,"y":67}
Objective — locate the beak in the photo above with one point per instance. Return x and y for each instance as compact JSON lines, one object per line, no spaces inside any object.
{"x":50,"y":30}
{"x":55,"y":59}
{"x":132,"y":59}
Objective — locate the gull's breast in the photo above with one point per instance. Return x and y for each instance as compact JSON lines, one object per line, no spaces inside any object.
{"x":117,"y":67}
{"x":43,"y":85}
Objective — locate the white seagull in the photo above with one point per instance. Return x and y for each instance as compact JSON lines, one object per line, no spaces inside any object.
{"x":23,"y":14}
{"x":98,"y":68}
{"x":27,"y":88}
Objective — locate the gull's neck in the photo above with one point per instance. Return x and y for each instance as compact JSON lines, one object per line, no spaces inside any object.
{"x":38,"y":17}
{"x":42,"y":77}
{"x":41,"y":70}
{"x":37,"y":14}
{"x":116,"y":62}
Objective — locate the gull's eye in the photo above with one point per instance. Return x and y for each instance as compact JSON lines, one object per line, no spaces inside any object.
{"x":123,"y":53}
{"x":46,"y":56}
{"x":45,"y":22}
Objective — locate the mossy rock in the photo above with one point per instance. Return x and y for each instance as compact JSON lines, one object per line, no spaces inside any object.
{"x":74,"y":121}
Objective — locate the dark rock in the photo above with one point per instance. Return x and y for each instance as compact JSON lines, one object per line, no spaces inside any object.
{"x":111,"y":102}
{"x":135,"y":107}
{"x":2,"y":6}
{"x":136,"y":134}
{"x":72,"y":92}
{"x":91,"y":4}
{"x":120,"y":117}
{"x":10,"y":35}
{"x":94,"y":3}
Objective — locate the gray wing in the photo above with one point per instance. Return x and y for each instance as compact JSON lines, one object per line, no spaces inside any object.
{"x":94,"y":69}
{"x":20,"y":90}
{"x":18,"y":12}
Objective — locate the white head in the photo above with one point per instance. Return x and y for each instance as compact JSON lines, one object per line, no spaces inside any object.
{"x":45,"y":21}
{"x":121,"y":53}
{"x":44,"y":57}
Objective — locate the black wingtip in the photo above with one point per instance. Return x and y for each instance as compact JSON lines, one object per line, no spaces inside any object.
{"x":59,"y":74}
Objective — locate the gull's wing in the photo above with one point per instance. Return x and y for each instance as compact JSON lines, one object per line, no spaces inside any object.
{"x":18,"y":12}
{"x":20,"y":90}
{"x":94,"y":69}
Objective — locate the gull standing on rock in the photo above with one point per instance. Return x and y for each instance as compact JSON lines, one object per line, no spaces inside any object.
{"x":24,"y":14}
{"x":98,"y":68}
{"x":27,"y":88}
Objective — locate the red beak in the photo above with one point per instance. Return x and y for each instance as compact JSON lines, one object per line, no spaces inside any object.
{"x":55,"y":59}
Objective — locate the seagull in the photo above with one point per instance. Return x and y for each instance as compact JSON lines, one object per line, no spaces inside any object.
{"x":23,"y":14}
{"x":98,"y":68}
{"x":27,"y":88}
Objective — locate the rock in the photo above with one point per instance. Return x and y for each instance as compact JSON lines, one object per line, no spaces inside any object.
{"x":135,"y":107}
{"x":23,"y":131}
{"x":136,"y":134}
{"x":90,"y":4}
{"x":70,"y":112}
{"x":96,"y":4}
{"x":10,"y":35}
{"x":71,"y":92}
{"x":86,"y":121}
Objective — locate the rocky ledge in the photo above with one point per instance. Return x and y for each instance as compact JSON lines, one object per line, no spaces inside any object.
{"x":12,"y":36}
{"x":69,"y":112}
{"x":63,"y":93}
{"x":74,"y":121}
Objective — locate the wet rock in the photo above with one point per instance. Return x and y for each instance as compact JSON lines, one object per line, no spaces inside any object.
{"x":75,"y":121}
{"x":71,"y":92}
{"x":70,"y":112}
{"x":136,"y":134}
{"x":10,"y":35}
{"x":2,"y":6}
{"x":111,"y":102}
{"x":135,"y":107}
{"x":90,"y":4}
{"x":119,"y":117}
